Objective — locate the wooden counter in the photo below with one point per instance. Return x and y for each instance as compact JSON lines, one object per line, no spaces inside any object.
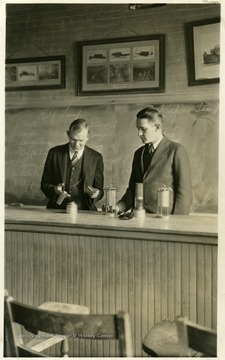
{"x":152,"y":268}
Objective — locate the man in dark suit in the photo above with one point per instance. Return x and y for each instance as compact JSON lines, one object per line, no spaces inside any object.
{"x":159,"y":162}
{"x":74,"y":168}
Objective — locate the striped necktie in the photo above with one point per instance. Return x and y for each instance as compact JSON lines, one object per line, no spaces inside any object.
{"x":148,"y":152}
{"x":75,"y":157}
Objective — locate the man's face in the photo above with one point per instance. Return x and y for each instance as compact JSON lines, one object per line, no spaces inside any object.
{"x":147,"y":130}
{"x":78,"y":139}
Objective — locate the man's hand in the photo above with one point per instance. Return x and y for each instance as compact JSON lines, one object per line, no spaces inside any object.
{"x":59,"y":188}
{"x":92,"y":192}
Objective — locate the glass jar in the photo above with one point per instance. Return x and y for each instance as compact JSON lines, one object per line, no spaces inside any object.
{"x":110,"y":200}
{"x":163,"y":201}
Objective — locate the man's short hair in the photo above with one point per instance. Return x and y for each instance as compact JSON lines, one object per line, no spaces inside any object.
{"x":151,"y":114}
{"x":78,"y":125}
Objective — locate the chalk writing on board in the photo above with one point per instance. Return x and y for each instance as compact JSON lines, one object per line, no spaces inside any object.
{"x":184,"y":109}
{"x":30,"y":133}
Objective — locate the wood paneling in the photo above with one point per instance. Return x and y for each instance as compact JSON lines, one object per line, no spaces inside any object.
{"x":152,"y":280}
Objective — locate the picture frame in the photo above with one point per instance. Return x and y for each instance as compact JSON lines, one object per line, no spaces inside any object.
{"x":203,"y":51}
{"x":122,"y":65}
{"x":40,"y":73}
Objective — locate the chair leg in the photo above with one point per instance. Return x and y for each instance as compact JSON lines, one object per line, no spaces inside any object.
{"x":64,"y":348}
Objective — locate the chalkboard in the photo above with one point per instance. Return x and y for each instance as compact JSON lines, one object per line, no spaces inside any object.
{"x":30,"y":133}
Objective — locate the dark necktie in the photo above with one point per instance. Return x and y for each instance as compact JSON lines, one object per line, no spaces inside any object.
{"x":75,"y":157}
{"x":148,"y":152}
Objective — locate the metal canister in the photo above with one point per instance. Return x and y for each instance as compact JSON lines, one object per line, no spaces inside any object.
{"x":71,"y":209}
{"x":61,"y":197}
{"x":139,"y":197}
{"x":110,"y":200}
{"x":163,"y":201}
{"x":139,"y":210}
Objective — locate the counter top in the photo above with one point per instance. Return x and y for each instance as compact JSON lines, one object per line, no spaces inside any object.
{"x":194,"y":224}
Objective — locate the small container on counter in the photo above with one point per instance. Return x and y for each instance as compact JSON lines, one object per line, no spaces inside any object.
{"x":71,"y":210}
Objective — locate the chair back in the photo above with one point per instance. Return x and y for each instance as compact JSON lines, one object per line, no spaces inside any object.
{"x":116,"y":326}
{"x":197,"y":337}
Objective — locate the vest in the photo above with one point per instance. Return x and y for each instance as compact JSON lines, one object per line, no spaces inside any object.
{"x":75,"y":183}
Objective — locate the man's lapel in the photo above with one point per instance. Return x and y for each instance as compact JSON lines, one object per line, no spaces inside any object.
{"x":160,"y":151}
{"x":62,"y":159}
{"x":86,"y":161}
{"x":86,"y":166}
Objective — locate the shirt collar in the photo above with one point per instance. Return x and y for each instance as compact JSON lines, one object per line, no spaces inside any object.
{"x":155,"y":145}
{"x":79,"y":152}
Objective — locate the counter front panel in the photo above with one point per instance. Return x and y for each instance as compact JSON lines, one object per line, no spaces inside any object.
{"x":154,"y":270}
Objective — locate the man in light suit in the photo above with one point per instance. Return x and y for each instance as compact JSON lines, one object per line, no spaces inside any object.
{"x":159,"y":162}
{"x":74,"y":168}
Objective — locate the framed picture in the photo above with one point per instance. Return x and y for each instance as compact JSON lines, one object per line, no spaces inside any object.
{"x":203,"y":51}
{"x":124,"y":65}
{"x":35,"y":73}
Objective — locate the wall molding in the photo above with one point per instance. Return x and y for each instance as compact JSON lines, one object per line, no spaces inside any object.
{"x":56,"y":102}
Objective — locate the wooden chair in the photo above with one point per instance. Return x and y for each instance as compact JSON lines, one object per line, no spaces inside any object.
{"x":63,"y":325}
{"x":179,"y":338}
{"x":197,"y":337}
{"x":40,"y":340}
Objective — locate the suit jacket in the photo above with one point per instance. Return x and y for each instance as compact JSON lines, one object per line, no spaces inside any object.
{"x":55,"y":173}
{"x":170,"y":166}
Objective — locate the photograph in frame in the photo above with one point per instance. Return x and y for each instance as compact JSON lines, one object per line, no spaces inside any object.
{"x":132,"y":65}
{"x":35,"y":73}
{"x":203,"y":51}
